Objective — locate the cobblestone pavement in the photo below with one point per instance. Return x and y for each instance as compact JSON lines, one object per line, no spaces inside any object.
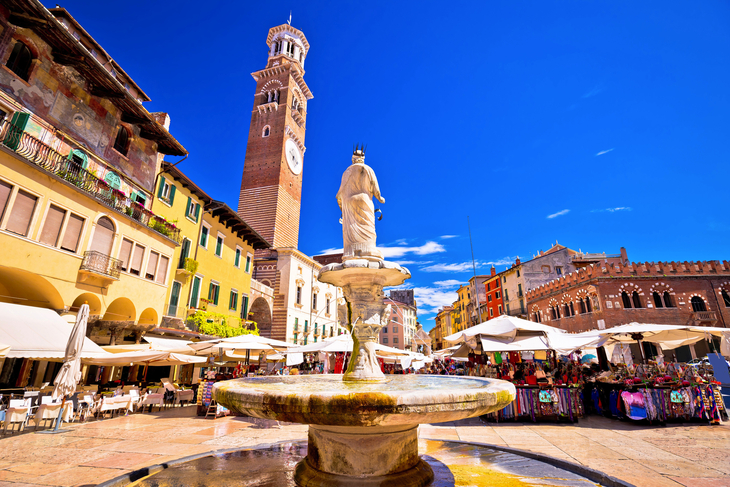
{"x":675,"y":455}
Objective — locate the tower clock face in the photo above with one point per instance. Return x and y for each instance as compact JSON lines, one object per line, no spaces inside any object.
{"x":293,"y":156}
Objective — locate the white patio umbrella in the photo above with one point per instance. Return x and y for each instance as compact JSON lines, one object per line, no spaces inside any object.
{"x":241,"y":342}
{"x":70,"y":373}
{"x":4,"y":349}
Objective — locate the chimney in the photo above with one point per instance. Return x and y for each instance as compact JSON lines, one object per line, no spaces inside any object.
{"x":162,"y":118}
{"x":494,"y":271}
{"x":517,"y":261}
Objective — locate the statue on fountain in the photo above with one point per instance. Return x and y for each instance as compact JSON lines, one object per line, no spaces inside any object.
{"x":358,"y":188}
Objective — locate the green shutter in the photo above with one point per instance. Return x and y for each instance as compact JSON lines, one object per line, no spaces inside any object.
{"x":172,"y":194}
{"x":161,"y":188}
{"x":15,"y":132}
{"x":197,"y":212}
{"x":194,"y":294}
{"x":238,"y":258}
{"x":218,"y":246}
{"x":248,"y":264}
{"x":244,"y":307}
{"x":189,"y":210}
{"x":204,"y":237}
{"x":217,"y":292}
{"x":210,"y":292}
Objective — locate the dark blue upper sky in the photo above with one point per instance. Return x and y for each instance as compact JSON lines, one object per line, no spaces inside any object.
{"x":598,"y":124}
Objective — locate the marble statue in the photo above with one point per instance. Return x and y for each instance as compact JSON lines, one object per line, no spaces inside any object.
{"x":355,"y":197}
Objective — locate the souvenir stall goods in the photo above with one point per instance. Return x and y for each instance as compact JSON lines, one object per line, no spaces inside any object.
{"x":204,"y":396}
{"x":657,"y":393}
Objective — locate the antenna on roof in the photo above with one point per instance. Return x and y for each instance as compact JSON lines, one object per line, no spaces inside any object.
{"x":289,"y":21}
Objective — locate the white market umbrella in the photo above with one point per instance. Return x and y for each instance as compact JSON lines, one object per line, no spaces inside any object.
{"x":241,"y":342}
{"x":504,"y":326}
{"x":339,"y":343}
{"x":4,"y":349}
{"x":70,"y":373}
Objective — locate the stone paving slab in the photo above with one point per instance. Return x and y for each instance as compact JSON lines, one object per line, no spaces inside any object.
{"x":690,"y":455}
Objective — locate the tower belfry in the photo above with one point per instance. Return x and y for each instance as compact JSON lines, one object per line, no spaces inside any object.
{"x":271,"y":187}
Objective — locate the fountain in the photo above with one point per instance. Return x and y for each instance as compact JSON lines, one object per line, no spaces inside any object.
{"x":363,"y":427}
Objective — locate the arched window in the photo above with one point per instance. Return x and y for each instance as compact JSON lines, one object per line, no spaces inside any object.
{"x":626,"y":300}
{"x":698,"y":304}
{"x":566,"y":310}
{"x":113,"y":180}
{"x":589,"y":308}
{"x":266,"y":132}
{"x":103,"y":236}
{"x":657,"y":300}
{"x":20,"y":60}
{"x":572,"y":309}
{"x":637,"y":301}
{"x":668,"y":300}
{"x":554,"y":312}
{"x":582,"y":306}
{"x":121,"y":144}
{"x":725,"y":298}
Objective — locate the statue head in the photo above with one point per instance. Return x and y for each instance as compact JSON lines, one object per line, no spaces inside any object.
{"x":358,"y":154}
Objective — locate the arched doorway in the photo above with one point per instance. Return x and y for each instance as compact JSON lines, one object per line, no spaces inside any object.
{"x":18,"y":286}
{"x":261,"y":314}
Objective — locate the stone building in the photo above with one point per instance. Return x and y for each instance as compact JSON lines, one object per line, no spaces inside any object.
{"x":400,"y":331}
{"x":444,"y":327}
{"x":477,"y":300}
{"x":603,"y":295}
{"x":79,"y":155}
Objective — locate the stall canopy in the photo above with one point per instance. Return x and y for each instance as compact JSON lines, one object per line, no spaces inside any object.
{"x":339,"y":343}
{"x":667,"y":337}
{"x":504,"y":326}
{"x":168,"y":344}
{"x":39,"y":333}
{"x":152,"y":358}
{"x":254,"y":343}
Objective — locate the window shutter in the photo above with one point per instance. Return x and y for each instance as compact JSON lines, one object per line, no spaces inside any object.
{"x":210,"y":292}
{"x":136,"y":265}
{"x":189,"y":209}
{"x":18,"y":123}
{"x":20,"y":216}
{"x":152,"y":265}
{"x":162,"y":271}
{"x":72,"y":236}
{"x":161,"y":188}
{"x":52,"y":226}
{"x":5,"y":190}
{"x":103,"y":236}
{"x":124,"y":253}
{"x":217,"y":292}
{"x":197,"y":212}
{"x":172,"y":194}
{"x":194,"y":295}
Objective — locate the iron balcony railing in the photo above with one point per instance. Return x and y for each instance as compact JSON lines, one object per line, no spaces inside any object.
{"x":62,"y":166}
{"x":99,"y":263}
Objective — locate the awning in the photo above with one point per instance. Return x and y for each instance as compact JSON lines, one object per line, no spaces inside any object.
{"x":38,"y":333}
{"x":168,"y":344}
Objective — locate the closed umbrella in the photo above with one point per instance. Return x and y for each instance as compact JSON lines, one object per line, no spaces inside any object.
{"x":70,"y":373}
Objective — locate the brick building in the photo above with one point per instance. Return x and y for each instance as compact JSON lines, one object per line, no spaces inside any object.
{"x":604,"y":295}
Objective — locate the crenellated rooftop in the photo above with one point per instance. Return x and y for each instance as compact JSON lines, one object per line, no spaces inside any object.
{"x":632,"y":269}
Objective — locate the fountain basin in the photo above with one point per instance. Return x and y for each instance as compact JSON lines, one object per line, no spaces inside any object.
{"x":362,"y":431}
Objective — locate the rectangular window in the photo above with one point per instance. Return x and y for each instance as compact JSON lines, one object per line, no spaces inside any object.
{"x":558,"y":270}
{"x":385,"y":329}
{"x":233,"y":301}
{"x":52,"y":226}
{"x":314,"y":301}
{"x":72,"y":235}
{"x":204,"y":237}
{"x":504,"y":279}
{"x":22,"y":213}
{"x":237,"y":260}
{"x":395,"y":339}
{"x":152,"y":266}
{"x":296,"y":324}
{"x":244,"y":307}
{"x":306,"y":326}
{"x":125,"y":253}
{"x":499,"y":308}
{"x":305,"y":339}
{"x":496,"y":295}
{"x":162,"y":269}
{"x":219,"y":246}
{"x":315,"y":339}
{"x":385,"y":339}
{"x":248,"y":262}
{"x":193,"y":210}
{"x":5,"y":190}
{"x":136,"y":266}
{"x":327,"y":306}
{"x":491,"y":312}
{"x":489,"y":298}
{"x":213,"y":291}
{"x":195,"y":294}
{"x":299,"y":294}
{"x":296,"y":337}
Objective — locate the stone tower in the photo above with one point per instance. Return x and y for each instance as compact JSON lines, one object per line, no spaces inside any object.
{"x":271,"y":187}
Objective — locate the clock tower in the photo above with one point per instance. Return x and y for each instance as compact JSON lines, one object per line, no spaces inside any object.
{"x":271,"y":187}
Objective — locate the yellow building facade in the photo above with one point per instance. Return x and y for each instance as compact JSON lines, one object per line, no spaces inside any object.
{"x":214,"y":263}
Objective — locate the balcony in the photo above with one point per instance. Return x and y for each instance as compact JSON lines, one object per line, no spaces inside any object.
{"x":43,"y":156}
{"x":704,"y":318}
{"x":98,"y":266}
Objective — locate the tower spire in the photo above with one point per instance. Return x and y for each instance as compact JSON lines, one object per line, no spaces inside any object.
{"x":289,"y":21}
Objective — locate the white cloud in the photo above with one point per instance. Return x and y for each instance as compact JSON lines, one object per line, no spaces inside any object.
{"x":604,"y":152}
{"x":444,"y":237}
{"x":425,"y":249}
{"x":613,"y":210}
{"x":391,"y":252}
{"x":561,"y":212}
{"x":448,"y":283}
{"x":430,"y":299}
{"x":594,"y":91}
{"x":466,"y":266}
{"x":412,"y":262}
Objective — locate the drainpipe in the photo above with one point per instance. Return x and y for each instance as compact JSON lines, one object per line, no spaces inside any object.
{"x":157,"y":176}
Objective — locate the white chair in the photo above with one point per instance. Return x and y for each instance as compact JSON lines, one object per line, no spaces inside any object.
{"x":152,"y":399}
{"x":47,"y":412}
{"x":16,"y":414}
{"x":184,"y":395}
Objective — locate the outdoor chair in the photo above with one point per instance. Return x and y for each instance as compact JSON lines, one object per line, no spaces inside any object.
{"x":152,"y":399}
{"x":16,"y":413}
{"x":45,"y":413}
{"x":86,"y":406}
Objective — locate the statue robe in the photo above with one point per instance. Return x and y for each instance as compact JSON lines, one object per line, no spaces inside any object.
{"x":355,"y":198}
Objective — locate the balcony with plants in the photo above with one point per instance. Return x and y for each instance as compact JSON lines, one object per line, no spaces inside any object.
{"x":68,"y":168}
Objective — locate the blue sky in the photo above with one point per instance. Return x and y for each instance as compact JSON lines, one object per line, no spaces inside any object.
{"x":598,"y":124}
